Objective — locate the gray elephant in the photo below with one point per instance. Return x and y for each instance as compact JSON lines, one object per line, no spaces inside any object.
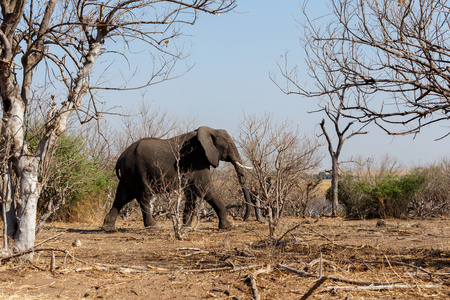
{"x":152,"y":166}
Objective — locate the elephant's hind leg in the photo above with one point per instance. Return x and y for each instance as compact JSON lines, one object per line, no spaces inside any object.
{"x":123,"y":196}
{"x":144,"y":203}
{"x":189,"y":206}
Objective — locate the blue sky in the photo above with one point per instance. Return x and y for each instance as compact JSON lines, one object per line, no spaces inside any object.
{"x":233,"y":55}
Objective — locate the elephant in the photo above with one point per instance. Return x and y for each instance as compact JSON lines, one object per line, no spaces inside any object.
{"x":152,"y":166}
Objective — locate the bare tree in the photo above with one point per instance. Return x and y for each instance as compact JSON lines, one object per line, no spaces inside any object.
{"x":342,"y":135}
{"x":332,"y":104}
{"x":66,"y":38}
{"x":150,"y":123}
{"x":394,"y":53}
{"x":279,"y":157}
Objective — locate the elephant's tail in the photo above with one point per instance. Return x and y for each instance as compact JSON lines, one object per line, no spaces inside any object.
{"x":118,"y":171}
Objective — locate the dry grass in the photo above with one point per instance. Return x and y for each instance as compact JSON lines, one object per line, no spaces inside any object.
{"x":138,"y":263}
{"x":324,"y":186}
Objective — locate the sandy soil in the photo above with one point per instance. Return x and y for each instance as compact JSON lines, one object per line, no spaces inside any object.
{"x":139,"y":263}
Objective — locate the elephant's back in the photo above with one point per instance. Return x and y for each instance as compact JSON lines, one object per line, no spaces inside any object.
{"x":148,"y":156}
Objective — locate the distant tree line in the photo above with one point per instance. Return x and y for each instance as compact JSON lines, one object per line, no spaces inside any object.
{"x":323,"y":175}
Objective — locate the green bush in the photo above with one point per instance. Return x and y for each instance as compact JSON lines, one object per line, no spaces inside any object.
{"x":74,"y":180}
{"x":388,"y":196}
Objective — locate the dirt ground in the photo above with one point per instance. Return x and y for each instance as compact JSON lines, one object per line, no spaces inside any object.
{"x":139,"y":263}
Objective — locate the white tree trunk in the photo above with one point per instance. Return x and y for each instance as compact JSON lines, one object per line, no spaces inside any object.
{"x":8,"y":207}
{"x":26,"y":208}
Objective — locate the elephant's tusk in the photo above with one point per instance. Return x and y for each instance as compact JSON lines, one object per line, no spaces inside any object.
{"x":242,"y":166}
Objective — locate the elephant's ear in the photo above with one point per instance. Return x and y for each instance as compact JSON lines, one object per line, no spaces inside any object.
{"x":205,"y":137}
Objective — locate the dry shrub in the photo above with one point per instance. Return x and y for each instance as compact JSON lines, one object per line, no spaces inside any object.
{"x":280,"y":157}
{"x":434,"y":196}
{"x":389,"y":192}
{"x":93,"y":208}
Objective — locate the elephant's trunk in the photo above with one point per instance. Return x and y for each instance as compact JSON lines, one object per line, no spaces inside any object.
{"x":249,"y":200}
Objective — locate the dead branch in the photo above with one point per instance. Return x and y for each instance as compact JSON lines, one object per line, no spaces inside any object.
{"x":252,"y":278}
{"x":383,"y":287}
{"x":32,"y":249}
{"x":288,"y":231}
{"x":351,"y":281}
{"x":50,"y":238}
{"x":313,"y":288}
{"x":325,"y":237}
{"x":399,"y":263}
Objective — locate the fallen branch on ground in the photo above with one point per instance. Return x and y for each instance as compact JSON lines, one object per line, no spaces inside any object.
{"x":351,"y":281}
{"x":252,"y":278}
{"x":32,"y":249}
{"x":314,"y":287}
{"x":383,"y":287}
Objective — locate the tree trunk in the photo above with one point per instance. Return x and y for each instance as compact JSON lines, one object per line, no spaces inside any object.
{"x":26,"y":208}
{"x":334,"y":187}
{"x":8,"y":208}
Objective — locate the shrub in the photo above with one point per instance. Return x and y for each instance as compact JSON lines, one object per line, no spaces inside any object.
{"x":434,"y":197}
{"x":387,"y":196}
{"x":74,"y":182}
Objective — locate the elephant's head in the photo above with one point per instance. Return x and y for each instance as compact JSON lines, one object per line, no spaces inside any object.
{"x":219,"y":146}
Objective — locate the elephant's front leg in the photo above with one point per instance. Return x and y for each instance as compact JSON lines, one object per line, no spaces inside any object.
{"x":144,"y":203}
{"x":213,"y":199}
{"x":203,"y":187}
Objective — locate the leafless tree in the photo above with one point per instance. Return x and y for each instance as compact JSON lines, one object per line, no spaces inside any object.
{"x":332,"y":104}
{"x":342,"y":135}
{"x":395,"y":53}
{"x":279,"y":157}
{"x":65,"y":39}
{"x":150,"y":123}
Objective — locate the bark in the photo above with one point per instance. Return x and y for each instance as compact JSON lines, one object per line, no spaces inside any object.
{"x":334,"y":185}
{"x":30,"y":189}
{"x":335,"y":162}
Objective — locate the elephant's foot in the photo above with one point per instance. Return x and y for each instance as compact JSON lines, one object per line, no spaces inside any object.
{"x":109,"y":224}
{"x":109,"y":228}
{"x":151,"y":223}
{"x":225,"y":224}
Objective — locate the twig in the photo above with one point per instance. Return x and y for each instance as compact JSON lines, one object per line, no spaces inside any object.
{"x":245,"y":268}
{"x":33,"y":249}
{"x":52,"y":262}
{"x":383,"y":287}
{"x":325,"y":237}
{"x":296,"y":271}
{"x":256,"y":232}
{"x":289,"y":230}
{"x":313,"y":288}
{"x":50,"y":238}
{"x":399,"y":263}
{"x":351,"y":281}
{"x":320,"y":266}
